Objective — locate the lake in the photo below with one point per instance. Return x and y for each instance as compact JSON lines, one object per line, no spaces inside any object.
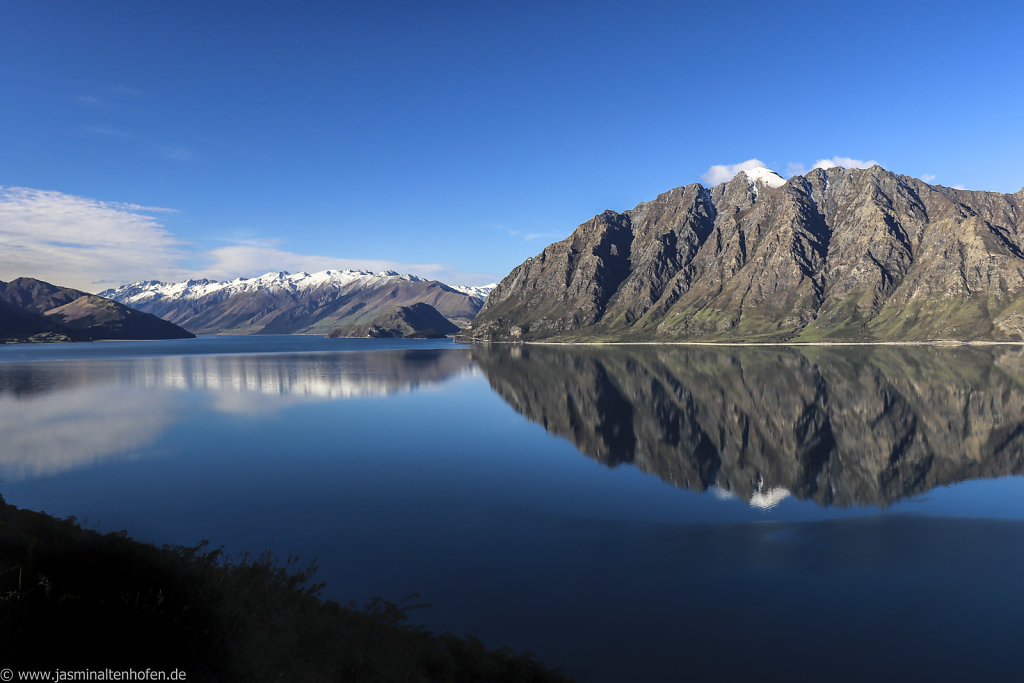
{"x":625,"y":513}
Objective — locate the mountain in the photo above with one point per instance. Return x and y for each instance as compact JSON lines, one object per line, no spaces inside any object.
{"x":284,"y":303}
{"x":480,"y":291}
{"x":861,"y":426}
{"x":837,"y":254}
{"x":418,"y":321}
{"x":20,"y":324}
{"x":33,"y":310}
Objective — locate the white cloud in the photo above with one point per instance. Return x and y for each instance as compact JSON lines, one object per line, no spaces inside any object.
{"x":721,"y":173}
{"x":526,"y":236}
{"x":255,"y":259}
{"x":927,"y":177}
{"x":845,"y":162}
{"x":109,"y":131}
{"x":92,"y":245}
{"x":82,"y":243}
{"x":250,"y":259}
{"x":796,"y":168}
{"x":176,"y":152}
{"x":793,"y":168}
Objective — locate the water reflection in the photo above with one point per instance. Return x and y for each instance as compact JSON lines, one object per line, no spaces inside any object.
{"x":314,"y":375}
{"x":59,"y":416}
{"x":839,"y":426}
{"x":44,"y":434}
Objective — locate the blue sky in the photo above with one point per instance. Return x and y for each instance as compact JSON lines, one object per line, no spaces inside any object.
{"x":454,"y":140}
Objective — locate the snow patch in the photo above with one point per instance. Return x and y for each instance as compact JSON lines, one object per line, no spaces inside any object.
{"x":281,"y":281}
{"x":766,"y":176}
{"x":766,"y":500}
{"x":481,"y":291}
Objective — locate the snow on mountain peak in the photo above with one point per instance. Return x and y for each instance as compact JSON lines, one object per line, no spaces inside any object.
{"x":763,"y":175}
{"x":275,"y":281}
{"x":481,"y":291}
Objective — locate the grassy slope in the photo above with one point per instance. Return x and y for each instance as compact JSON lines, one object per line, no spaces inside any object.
{"x":74,"y":599}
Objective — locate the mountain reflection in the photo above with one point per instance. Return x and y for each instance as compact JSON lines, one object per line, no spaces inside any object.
{"x":839,"y":426}
{"x":65,"y":415}
{"x":315,"y":375}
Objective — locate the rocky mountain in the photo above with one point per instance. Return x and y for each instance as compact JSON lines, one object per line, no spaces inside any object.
{"x":284,"y":303}
{"x":417,"y":321}
{"x":837,"y":254}
{"x":33,"y":310}
{"x":867,"y":425}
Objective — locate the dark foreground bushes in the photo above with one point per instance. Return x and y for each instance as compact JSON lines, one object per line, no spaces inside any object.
{"x":74,"y":599}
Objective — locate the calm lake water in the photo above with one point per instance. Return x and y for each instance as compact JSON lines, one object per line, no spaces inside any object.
{"x":627,"y":513}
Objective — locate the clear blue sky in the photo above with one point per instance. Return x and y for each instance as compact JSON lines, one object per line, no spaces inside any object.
{"x":461,"y":137}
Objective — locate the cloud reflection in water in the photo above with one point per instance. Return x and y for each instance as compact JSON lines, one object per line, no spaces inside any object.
{"x":60,"y":416}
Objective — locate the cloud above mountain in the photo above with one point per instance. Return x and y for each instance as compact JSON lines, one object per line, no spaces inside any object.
{"x":91,"y":245}
{"x":844,"y":162}
{"x":720,"y":173}
{"x":227,"y":262}
{"x":80,"y":242}
{"x":797,"y":168}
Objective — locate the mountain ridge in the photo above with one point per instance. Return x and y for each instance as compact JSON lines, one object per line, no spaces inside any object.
{"x":286,"y":303}
{"x":835,"y":254}
{"x":34,"y":310}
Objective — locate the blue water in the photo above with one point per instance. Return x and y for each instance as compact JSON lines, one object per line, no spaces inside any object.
{"x":204,"y":345}
{"x":633,"y":514}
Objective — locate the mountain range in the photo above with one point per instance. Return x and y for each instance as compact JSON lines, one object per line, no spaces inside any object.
{"x":301,"y":303}
{"x":33,"y":310}
{"x":836,"y":254}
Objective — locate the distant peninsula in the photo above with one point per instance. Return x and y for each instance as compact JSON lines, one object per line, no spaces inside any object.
{"x":35,"y":311}
{"x":834,"y":255}
{"x":416,"y":321}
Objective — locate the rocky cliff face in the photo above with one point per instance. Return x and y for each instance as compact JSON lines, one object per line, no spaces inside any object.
{"x":843,"y":254}
{"x":862,"y":426}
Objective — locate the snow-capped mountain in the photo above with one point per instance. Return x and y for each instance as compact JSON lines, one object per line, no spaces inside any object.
{"x":481,"y":291}
{"x":283,"y":281}
{"x":287,"y":303}
{"x":760,"y":174}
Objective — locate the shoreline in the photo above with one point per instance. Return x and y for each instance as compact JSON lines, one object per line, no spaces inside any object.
{"x":936,"y":342}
